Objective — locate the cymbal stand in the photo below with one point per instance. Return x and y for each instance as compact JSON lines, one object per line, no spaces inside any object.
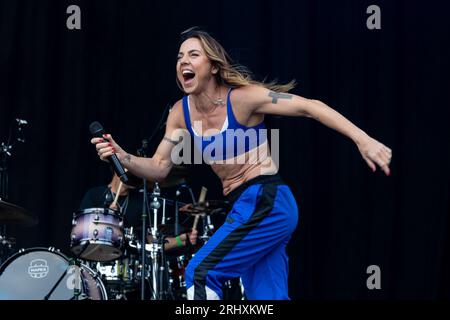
{"x":208,"y":227}
{"x":5,"y":152}
{"x":158,"y":269}
{"x":6,"y":245}
{"x":155,"y":245}
{"x":142,"y":152}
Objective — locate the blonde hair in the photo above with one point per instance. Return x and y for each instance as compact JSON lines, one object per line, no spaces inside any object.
{"x":229,"y":73}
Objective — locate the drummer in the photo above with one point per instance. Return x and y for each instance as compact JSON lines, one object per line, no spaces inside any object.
{"x":129,"y":203}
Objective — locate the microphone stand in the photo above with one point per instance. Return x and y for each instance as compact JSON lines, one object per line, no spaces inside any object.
{"x":143,"y":153}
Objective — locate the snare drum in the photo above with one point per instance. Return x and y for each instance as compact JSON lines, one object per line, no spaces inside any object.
{"x":97,"y":234}
{"x":33,"y":274}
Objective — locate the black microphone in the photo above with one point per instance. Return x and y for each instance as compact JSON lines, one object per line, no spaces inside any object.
{"x":98,"y":131}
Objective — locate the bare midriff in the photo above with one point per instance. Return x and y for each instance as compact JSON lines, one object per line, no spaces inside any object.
{"x":234,"y":172}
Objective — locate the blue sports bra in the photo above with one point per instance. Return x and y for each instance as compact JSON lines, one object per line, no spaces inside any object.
{"x":233,"y":140}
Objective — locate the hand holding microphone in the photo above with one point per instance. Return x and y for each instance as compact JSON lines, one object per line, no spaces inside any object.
{"x":108,"y":150}
{"x":106,"y":147}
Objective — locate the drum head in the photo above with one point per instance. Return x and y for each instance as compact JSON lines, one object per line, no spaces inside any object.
{"x":98,"y":211}
{"x":32,"y":273}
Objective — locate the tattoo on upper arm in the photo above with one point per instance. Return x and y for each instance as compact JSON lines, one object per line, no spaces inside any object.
{"x":277,"y":95}
{"x":174,"y":142}
{"x":127,"y":159}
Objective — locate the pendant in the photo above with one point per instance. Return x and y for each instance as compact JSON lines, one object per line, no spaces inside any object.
{"x":219,"y":102}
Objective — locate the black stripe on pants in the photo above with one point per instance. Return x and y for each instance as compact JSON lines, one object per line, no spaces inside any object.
{"x":263,"y":207}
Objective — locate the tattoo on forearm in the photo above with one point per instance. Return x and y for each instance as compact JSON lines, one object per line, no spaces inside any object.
{"x":276,"y":95}
{"x":171,"y":141}
{"x":127,"y":159}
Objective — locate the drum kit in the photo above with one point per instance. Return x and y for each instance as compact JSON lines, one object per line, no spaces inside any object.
{"x":108,"y":260}
{"x":105,"y":261}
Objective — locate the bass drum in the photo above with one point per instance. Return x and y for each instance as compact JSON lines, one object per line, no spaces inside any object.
{"x":31,"y":274}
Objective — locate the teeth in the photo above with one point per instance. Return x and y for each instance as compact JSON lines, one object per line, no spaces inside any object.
{"x":187,"y":72}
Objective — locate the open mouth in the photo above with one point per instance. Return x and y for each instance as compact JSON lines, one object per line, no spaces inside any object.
{"x":188,"y":76}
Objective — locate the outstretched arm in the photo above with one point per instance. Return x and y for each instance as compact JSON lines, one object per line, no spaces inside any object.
{"x":264,"y":101}
{"x":155,"y":168}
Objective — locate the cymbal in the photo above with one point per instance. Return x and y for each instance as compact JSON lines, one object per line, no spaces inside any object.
{"x":12,"y":214}
{"x":208,"y":207}
{"x":177,"y":175}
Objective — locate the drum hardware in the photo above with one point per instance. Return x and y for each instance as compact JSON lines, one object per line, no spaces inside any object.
{"x":9,"y":213}
{"x":143,"y":153}
{"x":177,"y":268}
{"x":121,"y":277}
{"x":177,"y":203}
{"x":208,"y":228}
{"x":12,"y":214}
{"x":77,"y":265}
{"x":15,"y":135}
{"x":175,"y":177}
{"x":205,"y":209}
{"x":156,"y":248}
{"x":6,"y":245}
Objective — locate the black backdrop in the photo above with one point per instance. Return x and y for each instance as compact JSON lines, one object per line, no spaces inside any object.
{"x":120,"y":69}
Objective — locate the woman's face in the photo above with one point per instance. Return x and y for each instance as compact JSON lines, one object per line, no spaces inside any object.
{"x":194,"y":69}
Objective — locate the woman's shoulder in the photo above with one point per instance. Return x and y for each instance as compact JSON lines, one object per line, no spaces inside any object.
{"x":248,"y":90}
{"x":176,"y":114}
{"x":247,"y":96}
{"x":177,"y":106}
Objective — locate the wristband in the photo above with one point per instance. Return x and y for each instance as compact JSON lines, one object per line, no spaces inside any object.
{"x":179,"y":242}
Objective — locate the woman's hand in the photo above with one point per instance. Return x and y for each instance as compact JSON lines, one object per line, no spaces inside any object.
{"x":106,"y":147}
{"x":375,"y":152}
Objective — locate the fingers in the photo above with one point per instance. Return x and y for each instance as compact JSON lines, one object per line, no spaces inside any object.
{"x":383,"y":160}
{"x":104,"y":138}
{"x":105,"y":146}
{"x":370,"y":164}
{"x":104,"y":154}
{"x":97,"y":140}
{"x":386,"y":154}
{"x":105,"y":149}
{"x":386,"y":170}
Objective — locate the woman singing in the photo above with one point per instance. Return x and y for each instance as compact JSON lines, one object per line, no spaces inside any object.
{"x":222,"y":103}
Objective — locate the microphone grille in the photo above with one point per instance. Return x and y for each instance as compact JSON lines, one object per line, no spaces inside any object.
{"x":96,"y":129}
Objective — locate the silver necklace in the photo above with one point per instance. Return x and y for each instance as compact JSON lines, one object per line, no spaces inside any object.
{"x":217,"y":102}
